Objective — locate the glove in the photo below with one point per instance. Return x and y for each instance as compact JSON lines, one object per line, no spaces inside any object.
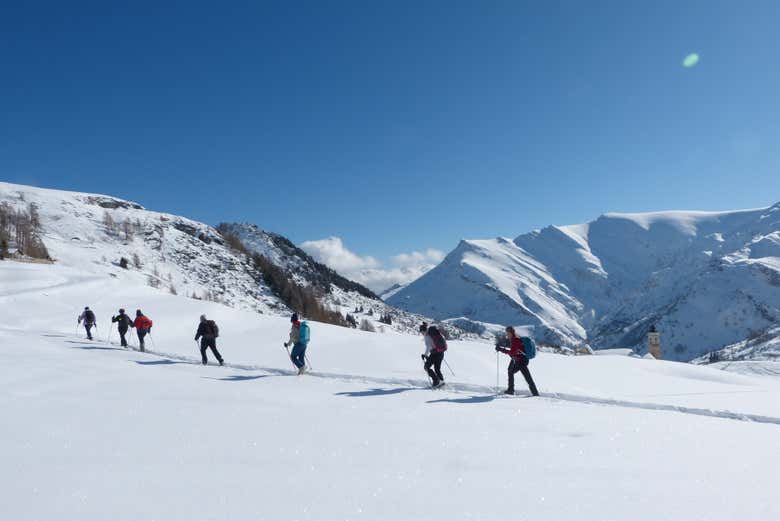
{"x":196,"y":339}
{"x":285,"y":344}
{"x":499,"y":350}
{"x":425,"y":358}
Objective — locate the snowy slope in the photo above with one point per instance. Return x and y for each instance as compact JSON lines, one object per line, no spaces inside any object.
{"x":706,"y":279}
{"x":92,"y":431}
{"x":174,"y":253}
{"x":759,"y":347}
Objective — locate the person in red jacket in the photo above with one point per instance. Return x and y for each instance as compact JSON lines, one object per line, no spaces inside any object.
{"x":519,"y":362}
{"x":142,"y":327}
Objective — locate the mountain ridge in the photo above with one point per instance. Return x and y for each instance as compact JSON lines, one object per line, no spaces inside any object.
{"x":605,"y":282}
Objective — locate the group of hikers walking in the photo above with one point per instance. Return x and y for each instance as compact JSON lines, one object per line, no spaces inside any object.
{"x":519,"y":349}
{"x":142,"y":325}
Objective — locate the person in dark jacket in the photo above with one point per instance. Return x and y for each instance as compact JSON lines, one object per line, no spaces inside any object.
{"x":208,"y":333}
{"x":142,"y":326}
{"x":519,"y":362}
{"x":123,"y":324}
{"x":88,"y":317}
{"x":433,"y":356}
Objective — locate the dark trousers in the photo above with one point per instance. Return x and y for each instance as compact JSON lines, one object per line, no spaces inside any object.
{"x":122,"y":333}
{"x":521,"y":364}
{"x":141,"y":334}
{"x":298,"y":355}
{"x":89,"y":327}
{"x":433,"y":366}
{"x":206,"y":343}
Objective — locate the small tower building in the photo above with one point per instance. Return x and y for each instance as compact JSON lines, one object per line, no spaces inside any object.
{"x":654,"y":342}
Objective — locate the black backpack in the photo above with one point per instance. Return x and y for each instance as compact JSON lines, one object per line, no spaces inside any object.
{"x":213,"y":327}
{"x":439,"y":343}
{"x":89,"y":317}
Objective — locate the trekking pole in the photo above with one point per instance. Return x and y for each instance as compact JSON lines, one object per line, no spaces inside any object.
{"x":289,"y":356}
{"x":152,"y":339}
{"x":110,"y":330}
{"x":448,"y":367}
{"x":497,"y":370}
{"x":308,"y":362}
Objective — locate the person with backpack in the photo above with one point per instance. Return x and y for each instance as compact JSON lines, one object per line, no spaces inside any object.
{"x":299,"y":339}
{"x":142,"y":327}
{"x":88,"y":317}
{"x":435,"y":346}
{"x":208,"y":333}
{"x":123,"y":324}
{"x":520,"y":351}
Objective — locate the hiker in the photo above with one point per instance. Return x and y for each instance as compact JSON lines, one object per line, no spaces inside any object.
{"x":89,"y":321}
{"x":208,"y":333}
{"x":299,"y":339}
{"x":142,"y":326}
{"x":435,"y":346}
{"x":123,"y":324}
{"x":519,"y":354}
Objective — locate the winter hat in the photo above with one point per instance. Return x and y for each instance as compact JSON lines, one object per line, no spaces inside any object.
{"x":294,"y":317}
{"x":86,"y":308}
{"x":423,"y":327}
{"x":203,"y":318}
{"x":138,"y":313}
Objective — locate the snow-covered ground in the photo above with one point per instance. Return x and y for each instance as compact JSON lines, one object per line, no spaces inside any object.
{"x":92,"y":432}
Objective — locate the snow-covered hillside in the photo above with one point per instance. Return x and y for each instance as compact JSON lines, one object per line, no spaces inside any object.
{"x":337,"y":292}
{"x":95,"y":232}
{"x":759,"y":347}
{"x":92,"y":431}
{"x":705,"y":279}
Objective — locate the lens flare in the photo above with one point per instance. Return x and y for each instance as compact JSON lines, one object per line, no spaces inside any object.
{"x":690,"y":60}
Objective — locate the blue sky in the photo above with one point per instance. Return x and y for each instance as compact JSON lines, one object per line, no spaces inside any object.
{"x":396,"y":126}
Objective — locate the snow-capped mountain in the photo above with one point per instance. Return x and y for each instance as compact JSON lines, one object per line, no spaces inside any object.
{"x":111,"y":237}
{"x":705,"y":279}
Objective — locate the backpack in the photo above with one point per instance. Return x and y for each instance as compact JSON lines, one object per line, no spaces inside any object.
{"x":89,"y":317}
{"x":304,"y":334}
{"x":529,"y":346}
{"x":439,"y":343}
{"x":213,"y":327}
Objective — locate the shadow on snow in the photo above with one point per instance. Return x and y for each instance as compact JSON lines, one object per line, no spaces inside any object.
{"x":238,"y":378}
{"x":377,"y":392}
{"x":164,"y":361}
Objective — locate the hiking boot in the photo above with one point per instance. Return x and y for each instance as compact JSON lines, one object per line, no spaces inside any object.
{"x":301,"y":370}
{"x":510,"y":392}
{"x":221,"y":362}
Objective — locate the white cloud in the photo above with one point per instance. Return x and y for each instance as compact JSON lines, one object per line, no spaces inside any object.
{"x":416,"y":258}
{"x":331,"y":251}
{"x":367,"y":270}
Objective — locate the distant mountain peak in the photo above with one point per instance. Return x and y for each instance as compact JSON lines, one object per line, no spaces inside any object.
{"x":706,"y":279}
